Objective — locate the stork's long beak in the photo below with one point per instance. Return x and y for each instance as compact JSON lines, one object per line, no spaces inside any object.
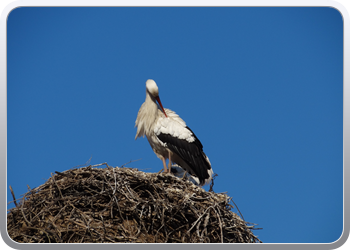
{"x":160,"y":104}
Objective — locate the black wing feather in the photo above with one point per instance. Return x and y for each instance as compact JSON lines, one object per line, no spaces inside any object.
{"x":191,"y":152}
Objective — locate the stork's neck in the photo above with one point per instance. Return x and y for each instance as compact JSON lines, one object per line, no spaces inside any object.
{"x":151,"y":109}
{"x":151,"y":103}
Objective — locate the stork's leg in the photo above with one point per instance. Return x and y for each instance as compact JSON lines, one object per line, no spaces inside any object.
{"x":169,"y":166}
{"x":164,"y":165}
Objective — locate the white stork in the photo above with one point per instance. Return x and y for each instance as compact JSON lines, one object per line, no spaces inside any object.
{"x":170,"y":138}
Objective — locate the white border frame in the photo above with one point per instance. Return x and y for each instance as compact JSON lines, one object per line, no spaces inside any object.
{"x":169,"y":3}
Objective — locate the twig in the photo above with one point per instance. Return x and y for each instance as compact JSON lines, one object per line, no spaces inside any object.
{"x":238,"y":209}
{"x":13,"y":196}
{"x":220,"y":224}
{"x":198,"y":219}
{"x":129,"y":162}
{"x":212,"y":183}
{"x":25,"y":218}
{"x":97,"y":165}
{"x":86,"y":163}
{"x":53,"y":178}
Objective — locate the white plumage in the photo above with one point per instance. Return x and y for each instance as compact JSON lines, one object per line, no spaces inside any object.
{"x":173,"y":125}
{"x":181,"y":173}
{"x":170,"y":138}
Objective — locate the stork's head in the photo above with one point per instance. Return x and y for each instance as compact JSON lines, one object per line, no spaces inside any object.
{"x":152,"y":89}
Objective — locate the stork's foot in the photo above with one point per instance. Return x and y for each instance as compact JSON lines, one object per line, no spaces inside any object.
{"x":184,"y":177}
{"x":167,"y":171}
{"x":164,"y":165}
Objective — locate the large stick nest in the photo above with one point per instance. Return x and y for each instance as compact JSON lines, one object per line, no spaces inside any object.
{"x":95,"y":205}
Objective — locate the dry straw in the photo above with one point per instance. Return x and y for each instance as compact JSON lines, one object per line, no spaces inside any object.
{"x":106,"y":205}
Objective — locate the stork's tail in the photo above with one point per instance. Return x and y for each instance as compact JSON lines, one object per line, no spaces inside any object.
{"x":178,"y":171}
{"x":210,"y":173}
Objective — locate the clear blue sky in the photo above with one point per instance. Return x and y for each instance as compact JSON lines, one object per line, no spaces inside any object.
{"x":262,"y":88}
